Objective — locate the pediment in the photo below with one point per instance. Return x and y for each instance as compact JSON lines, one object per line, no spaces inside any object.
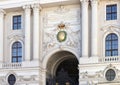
{"x":110,"y":28}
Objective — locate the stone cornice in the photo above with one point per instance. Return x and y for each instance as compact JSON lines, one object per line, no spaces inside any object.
{"x":43,"y":3}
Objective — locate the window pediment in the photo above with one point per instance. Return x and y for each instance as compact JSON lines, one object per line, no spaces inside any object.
{"x":110,"y":28}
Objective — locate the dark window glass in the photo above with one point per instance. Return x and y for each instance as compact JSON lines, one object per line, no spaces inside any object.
{"x":111,"y":45}
{"x":11,"y":79}
{"x":110,"y":75}
{"x":16,"y":52}
{"x":16,"y":22}
{"x":111,"y":12}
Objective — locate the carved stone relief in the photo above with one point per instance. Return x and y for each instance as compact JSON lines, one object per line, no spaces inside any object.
{"x":15,"y":37}
{"x":26,"y":80}
{"x":2,"y":80}
{"x":110,"y":28}
{"x":50,"y":41}
{"x":99,"y":75}
{"x":61,"y":13}
{"x":19,"y":79}
{"x":70,"y":17}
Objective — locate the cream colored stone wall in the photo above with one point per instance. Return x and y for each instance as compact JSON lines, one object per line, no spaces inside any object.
{"x":104,"y":24}
{"x":52,"y":13}
{"x":11,"y":36}
{"x":94,"y":72}
{"x":32,"y":72}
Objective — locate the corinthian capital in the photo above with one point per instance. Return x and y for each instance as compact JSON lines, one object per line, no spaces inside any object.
{"x":36,"y":6}
{"x":94,"y":1}
{"x":84,"y":0}
{"x":2,"y":11}
{"x":26,"y":7}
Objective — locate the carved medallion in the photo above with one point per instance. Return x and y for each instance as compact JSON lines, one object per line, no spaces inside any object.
{"x":61,"y":35}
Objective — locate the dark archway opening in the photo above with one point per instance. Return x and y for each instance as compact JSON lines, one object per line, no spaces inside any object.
{"x":62,"y":69}
{"x":67,"y":72}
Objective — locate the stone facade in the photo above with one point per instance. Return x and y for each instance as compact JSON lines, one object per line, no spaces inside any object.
{"x":53,"y":31}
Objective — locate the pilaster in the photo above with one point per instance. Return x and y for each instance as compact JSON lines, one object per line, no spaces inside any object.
{"x":94,"y":30}
{"x":36,"y":31}
{"x":43,"y":76}
{"x":2,"y":12}
{"x":27,"y":12}
{"x":85,"y":33}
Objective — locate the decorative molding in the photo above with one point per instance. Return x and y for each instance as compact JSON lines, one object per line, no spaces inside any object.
{"x":84,"y":75}
{"x":110,"y":28}
{"x":31,"y":78}
{"x":9,"y":73}
{"x":16,"y":37}
{"x":61,"y":9}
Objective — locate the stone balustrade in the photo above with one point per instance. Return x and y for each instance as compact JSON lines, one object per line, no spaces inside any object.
{"x":110,"y":59}
{"x":11,"y":65}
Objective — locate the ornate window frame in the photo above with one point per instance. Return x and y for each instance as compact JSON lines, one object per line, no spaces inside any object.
{"x":8,"y":74}
{"x":16,"y":46}
{"x":111,"y":41}
{"x":110,"y":66}
{"x":11,"y":49}
{"x":107,"y":30}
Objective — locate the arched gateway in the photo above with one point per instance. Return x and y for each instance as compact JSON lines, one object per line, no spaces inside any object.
{"x":62,"y":69}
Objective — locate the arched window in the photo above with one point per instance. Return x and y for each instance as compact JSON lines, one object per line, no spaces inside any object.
{"x":111,"y":45}
{"x":17,"y":52}
{"x":11,"y":79}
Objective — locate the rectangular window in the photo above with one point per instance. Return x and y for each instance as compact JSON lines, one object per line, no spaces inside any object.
{"x":111,"y":12}
{"x":17,"y":22}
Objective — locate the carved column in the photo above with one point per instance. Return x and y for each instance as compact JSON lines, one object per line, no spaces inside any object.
{"x":27,"y":13}
{"x":94,"y":30}
{"x":85,"y":42}
{"x":1,"y":33}
{"x":43,"y":76}
{"x":79,"y":73}
{"x":36,"y":31}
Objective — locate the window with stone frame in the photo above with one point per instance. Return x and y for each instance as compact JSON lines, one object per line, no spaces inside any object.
{"x":17,"y":22}
{"x":111,"y":12}
{"x":11,"y":79}
{"x":17,"y":52}
{"x":111,"y":45}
